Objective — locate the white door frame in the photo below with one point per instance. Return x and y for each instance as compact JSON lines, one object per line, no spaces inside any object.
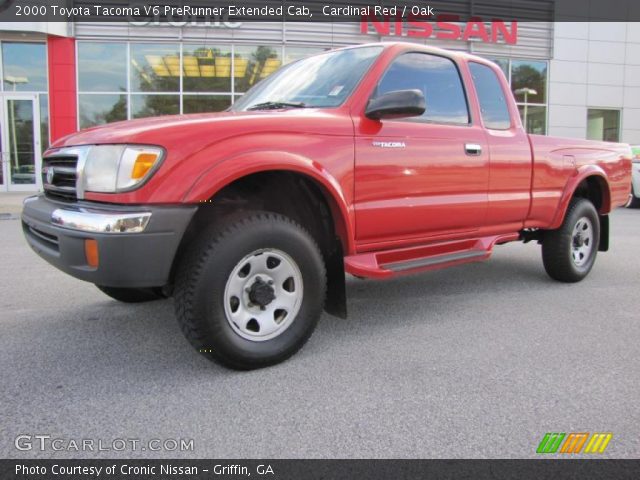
{"x":7,"y":140}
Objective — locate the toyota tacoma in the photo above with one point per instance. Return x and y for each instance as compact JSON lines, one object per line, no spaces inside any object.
{"x":376,"y":160}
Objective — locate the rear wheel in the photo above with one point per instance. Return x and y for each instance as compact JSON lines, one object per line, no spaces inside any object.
{"x":251,"y":290}
{"x":569,"y":252}
{"x":132,"y":295}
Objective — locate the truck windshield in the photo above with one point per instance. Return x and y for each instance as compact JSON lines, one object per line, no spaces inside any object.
{"x":324,"y":80}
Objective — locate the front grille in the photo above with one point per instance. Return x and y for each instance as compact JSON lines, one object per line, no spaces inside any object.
{"x":59,"y":177}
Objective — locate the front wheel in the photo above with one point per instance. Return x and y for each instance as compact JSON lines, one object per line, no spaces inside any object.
{"x":251,"y":290}
{"x":569,"y":252}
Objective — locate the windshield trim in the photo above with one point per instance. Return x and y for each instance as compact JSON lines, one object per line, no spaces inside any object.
{"x":378,"y":45}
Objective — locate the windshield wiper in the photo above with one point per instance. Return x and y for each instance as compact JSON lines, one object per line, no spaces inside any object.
{"x":276,"y":105}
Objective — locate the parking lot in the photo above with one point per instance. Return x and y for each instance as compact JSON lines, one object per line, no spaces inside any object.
{"x":475,"y":361}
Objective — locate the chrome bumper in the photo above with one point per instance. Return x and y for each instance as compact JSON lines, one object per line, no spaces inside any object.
{"x":137,"y":244}
{"x":98,"y":222}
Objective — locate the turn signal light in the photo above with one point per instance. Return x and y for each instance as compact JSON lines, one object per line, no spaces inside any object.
{"x":91,"y":252}
{"x":143,"y":164}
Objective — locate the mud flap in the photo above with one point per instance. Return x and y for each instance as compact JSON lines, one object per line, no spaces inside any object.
{"x":336,"y":302}
{"x":604,"y":234}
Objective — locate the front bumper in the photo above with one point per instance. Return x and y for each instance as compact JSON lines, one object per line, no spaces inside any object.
{"x":136,"y":244}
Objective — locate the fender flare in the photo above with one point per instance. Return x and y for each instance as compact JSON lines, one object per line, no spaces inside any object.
{"x":581,"y":174}
{"x":228,"y":170}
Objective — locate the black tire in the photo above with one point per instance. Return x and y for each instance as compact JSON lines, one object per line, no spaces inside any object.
{"x":557,"y":245}
{"x":634,"y":202}
{"x":132,"y":295}
{"x":202,"y":278}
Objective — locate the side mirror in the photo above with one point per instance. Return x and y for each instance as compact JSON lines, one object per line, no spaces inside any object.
{"x":397,"y":104}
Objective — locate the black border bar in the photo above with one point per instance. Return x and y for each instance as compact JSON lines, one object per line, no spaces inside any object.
{"x":541,"y":469}
{"x":183,"y":11}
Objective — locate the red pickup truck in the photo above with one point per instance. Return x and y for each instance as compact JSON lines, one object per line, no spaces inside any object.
{"x":377,"y":160}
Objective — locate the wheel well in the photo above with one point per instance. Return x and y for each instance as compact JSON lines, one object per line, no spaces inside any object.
{"x":293,"y":195}
{"x":290,"y":194}
{"x":595,"y":190}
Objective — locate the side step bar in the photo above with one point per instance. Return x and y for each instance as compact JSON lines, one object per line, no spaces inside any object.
{"x":431,"y":256}
{"x":429,"y":262}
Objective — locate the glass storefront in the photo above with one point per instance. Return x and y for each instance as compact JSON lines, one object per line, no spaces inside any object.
{"x":149,"y":79}
{"x":145,"y":79}
{"x":24,"y":113}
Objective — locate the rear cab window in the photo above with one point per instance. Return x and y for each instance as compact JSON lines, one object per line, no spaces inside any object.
{"x":493,"y":103}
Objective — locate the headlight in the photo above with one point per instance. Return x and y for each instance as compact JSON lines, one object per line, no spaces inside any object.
{"x":119,"y":168}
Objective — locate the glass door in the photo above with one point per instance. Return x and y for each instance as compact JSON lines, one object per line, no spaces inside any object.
{"x":20,"y":143}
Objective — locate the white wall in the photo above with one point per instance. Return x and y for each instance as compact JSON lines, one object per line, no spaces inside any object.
{"x":594,"y":65}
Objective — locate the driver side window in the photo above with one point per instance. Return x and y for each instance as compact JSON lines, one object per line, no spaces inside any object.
{"x":437,"y":78}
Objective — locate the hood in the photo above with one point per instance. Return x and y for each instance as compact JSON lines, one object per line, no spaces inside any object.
{"x":170,"y":130}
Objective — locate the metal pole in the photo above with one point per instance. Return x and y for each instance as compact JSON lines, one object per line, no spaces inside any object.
{"x":14,"y":137}
{"x":526,"y":105}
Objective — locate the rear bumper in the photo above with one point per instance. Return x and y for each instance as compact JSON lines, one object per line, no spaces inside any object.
{"x":136,"y":244}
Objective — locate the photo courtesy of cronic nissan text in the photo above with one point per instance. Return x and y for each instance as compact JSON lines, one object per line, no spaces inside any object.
{"x":319,"y":239}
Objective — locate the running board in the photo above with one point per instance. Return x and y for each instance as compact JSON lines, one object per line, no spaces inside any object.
{"x":429,"y":262}
{"x":390,"y":263}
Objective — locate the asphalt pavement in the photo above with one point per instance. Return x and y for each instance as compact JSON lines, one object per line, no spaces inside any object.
{"x":476,"y":361}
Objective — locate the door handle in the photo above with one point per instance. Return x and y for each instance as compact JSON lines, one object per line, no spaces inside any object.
{"x":473,"y":149}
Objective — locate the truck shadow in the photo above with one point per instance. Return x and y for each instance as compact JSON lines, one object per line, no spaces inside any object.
{"x":143,"y":343}
{"x":437,"y":296}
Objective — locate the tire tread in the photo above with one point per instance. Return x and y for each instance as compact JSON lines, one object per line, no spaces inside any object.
{"x":195,"y":261}
{"x":555,"y":250}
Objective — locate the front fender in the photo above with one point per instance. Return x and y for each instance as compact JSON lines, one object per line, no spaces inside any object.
{"x":580,"y":175}
{"x":233,"y":168}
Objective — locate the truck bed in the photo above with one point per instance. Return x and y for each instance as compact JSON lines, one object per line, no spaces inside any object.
{"x":559,"y":160}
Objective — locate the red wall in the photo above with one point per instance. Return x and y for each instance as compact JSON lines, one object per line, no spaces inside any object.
{"x":63,"y":111}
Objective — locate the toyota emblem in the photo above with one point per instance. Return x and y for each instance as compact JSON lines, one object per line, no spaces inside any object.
{"x":49,"y":175}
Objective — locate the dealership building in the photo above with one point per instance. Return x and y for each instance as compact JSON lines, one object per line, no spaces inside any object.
{"x":579,"y":79}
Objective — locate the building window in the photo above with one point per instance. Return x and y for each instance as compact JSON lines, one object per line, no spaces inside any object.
{"x":603,"y":124}
{"x":252,"y":64}
{"x":154,"y":105}
{"x":103,"y":108}
{"x":155,"y":68}
{"x":120,"y":80}
{"x":24,"y":67}
{"x":207,"y":69}
{"x":528,"y":80}
{"x":25,"y":70}
{"x":44,"y":121}
{"x":102,"y":67}
{"x":205,"y":103}
{"x":534,"y":117}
